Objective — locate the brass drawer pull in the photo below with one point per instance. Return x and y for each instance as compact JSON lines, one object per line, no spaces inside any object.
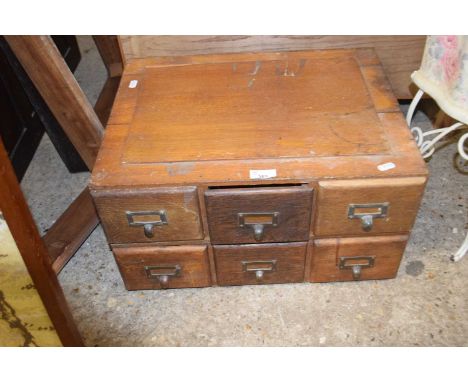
{"x":162,"y":273}
{"x":258,"y":221}
{"x":367,"y":213}
{"x":148,"y":226}
{"x":259,"y":267}
{"x":356,"y":264}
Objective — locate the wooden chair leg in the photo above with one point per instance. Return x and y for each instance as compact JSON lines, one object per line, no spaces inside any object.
{"x":53,"y":79}
{"x":69,"y":232}
{"x":82,"y":124}
{"x":109,"y":49}
{"x":106,"y":99}
{"x":48,"y":71}
{"x":34,"y":253}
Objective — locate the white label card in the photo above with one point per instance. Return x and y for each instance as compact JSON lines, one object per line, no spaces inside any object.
{"x":133,"y":84}
{"x":263,"y":174}
{"x":386,"y":166}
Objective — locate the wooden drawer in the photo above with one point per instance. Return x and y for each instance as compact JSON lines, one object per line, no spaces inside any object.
{"x":360,"y":206}
{"x":260,"y":263}
{"x":149,"y":215}
{"x":363,"y":258}
{"x":157,"y":267}
{"x":263,"y":214}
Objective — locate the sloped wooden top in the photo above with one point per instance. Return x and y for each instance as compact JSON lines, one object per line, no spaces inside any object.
{"x":204,"y":118}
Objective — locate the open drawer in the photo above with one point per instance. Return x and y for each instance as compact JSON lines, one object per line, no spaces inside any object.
{"x":259,"y":214}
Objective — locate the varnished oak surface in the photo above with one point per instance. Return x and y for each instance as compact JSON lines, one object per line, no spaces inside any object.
{"x":400,"y":55}
{"x":289,"y":261}
{"x":260,"y":109}
{"x":191,"y":259}
{"x":70,"y":230}
{"x":387,"y":251}
{"x":180,"y":205}
{"x":187,"y":133}
{"x":309,"y":115}
{"x":402,"y":194}
{"x":291,"y":204}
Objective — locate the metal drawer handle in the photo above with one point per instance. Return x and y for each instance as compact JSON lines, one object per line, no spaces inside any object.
{"x":162,"y":273}
{"x":356,"y":264}
{"x":258,"y":221}
{"x":148,"y":226}
{"x":375,"y":210}
{"x":259,"y":267}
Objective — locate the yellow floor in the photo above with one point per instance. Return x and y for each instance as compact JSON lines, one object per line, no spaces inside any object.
{"x":23,"y":318}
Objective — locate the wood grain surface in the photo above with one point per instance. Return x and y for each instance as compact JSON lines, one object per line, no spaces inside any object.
{"x":70,"y":230}
{"x":289,"y":267}
{"x":334,"y":198}
{"x":387,"y":251}
{"x":55,"y":82}
{"x":34,"y":253}
{"x":258,"y":109}
{"x":192,"y":260}
{"x":167,"y":137}
{"x":400,"y":55}
{"x":292,"y":204}
{"x":109,"y":49}
{"x":315,"y":121}
{"x":180,"y":204}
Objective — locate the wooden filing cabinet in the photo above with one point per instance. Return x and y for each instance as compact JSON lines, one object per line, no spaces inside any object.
{"x":257,"y":168}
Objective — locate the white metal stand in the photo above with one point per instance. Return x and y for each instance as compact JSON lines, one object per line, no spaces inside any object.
{"x":427,"y":148}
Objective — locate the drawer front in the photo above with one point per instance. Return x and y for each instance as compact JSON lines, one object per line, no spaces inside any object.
{"x":156,"y":267}
{"x":367,"y":206}
{"x":149,"y":215}
{"x":260,"y":263}
{"x":259,"y":215}
{"x":354,"y":259}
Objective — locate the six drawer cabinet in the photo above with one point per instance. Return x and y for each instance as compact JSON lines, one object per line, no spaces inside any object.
{"x":255,"y":169}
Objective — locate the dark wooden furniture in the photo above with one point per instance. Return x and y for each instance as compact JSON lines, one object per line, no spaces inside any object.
{"x":25,"y":114}
{"x":109,"y":50}
{"x":44,"y":257}
{"x":40,"y":52}
{"x":257,"y":168}
{"x":81,"y":125}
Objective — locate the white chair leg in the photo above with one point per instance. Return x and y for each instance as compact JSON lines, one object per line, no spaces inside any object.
{"x":462,"y":251}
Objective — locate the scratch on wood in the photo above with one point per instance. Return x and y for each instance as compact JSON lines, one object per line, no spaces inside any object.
{"x":258,"y":64}
{"x":179,"y":168}
{"x":345,"y":139}
{"x":277,"y":69}
{"x":234,"y":67}
{"x":290,"y":73}
{"x":251,"y":82}
{"x":286,"y":70}
{"x":302,"y":63}
{"x":188,"y":197}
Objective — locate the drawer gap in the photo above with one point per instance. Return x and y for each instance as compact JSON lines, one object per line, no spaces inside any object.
{"x":263,"y":185}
